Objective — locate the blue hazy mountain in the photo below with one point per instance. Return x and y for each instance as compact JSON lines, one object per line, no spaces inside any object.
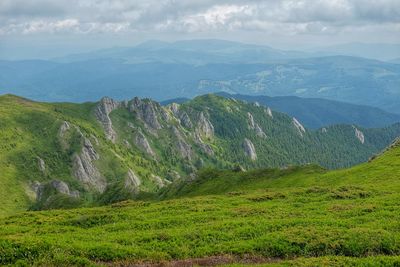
{"x":162,"y":71}
{"x":195,"y":52}
{"x":378,"y":51}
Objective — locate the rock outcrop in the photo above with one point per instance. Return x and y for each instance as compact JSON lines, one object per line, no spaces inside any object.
{"x":84,"y":169}
{"x":206,"y":148}
{"x":184,"y":149}
{"x":158,"y":181}
{"x":41,"y":165}
{"x":132,"y":181}
{"x":146,"y":111}
{"x":254,"y":126}
{"x":268,"y":111}
{"x":204,"y":126}
{"x":185,"y":120}
{"x":300,"y":128}
{"x":143,"y":144}
{"x":359,"y":135}
{"x":249,"y":149}
{"x":102,"y":112}
{"x":63,"y":129}
{"x":60,"y":187}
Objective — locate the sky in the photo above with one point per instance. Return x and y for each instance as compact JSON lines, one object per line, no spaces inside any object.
{"x":49,"y":28}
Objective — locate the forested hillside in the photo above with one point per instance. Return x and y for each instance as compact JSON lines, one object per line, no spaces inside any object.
{"x":66,"y":155}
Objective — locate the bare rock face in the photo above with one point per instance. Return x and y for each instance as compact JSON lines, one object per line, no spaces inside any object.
{"x":204,"y":126}
{"x":64,"y":128}
{"x":254,"y":126}
{"x":205,"y":147}
{"x":359,"y":135}
{"x":60,"y":187}
{"x":132,"y":181}
{"x":41,"y":165}
{"x":249,"y":149}
{"x":102,"y":112}
{"x":84,"y":169}
{"x":268,"y":111}
{"x":146,"y":111}
{"x":143,"y":144}
{"x":300,"y":128}
{"x":174,"y":107}
{"x":250,"y":120}
{"x":184,"y":149}
{"x":158,"y":181}
{"x":185,"y":120}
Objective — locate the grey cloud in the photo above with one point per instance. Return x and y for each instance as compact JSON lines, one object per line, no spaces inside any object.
{"x":290,"y":16}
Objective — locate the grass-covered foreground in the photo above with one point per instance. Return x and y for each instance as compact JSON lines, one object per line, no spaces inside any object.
{"x":299,"y":216}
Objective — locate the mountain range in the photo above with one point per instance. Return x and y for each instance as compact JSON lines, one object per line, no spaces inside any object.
{"x":57,"y":155}
{"x":162,"y":71}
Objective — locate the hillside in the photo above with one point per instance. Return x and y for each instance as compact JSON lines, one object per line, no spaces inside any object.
{"x":316,"y":113}
{"x":67,"y":155}
{"x":302,"y":216}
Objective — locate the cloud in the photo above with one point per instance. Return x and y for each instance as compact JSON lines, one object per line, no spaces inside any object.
{"x":286,"y":17}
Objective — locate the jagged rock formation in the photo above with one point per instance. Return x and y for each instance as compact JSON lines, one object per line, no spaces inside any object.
{"x":102,"y":112}
{"x":143,"y":144}
{"x":254,"y":126}
{"x":185,"y":120}
{"x":299,"y":126}
{"x":184,"y":149}
{"x":159,"y":181}
{"x":360,"y":135}
{"x":249,"y":149}
{"x":84,"y":169}
{"x":268,"y":111}
{"x":145,"y":110}
{"x":206,"y":148}
{"x":174,"y":107}
{"x":41,"y":165}
{"x":63,"y":129}
{"x":204,"y":126}
{"x":132,"y":181}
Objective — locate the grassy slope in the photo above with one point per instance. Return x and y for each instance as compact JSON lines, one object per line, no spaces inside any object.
{"x":300,"y":216}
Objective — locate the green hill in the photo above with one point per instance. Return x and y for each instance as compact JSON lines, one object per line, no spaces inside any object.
{"x":303,"y":216}
{"x":61,"y":155}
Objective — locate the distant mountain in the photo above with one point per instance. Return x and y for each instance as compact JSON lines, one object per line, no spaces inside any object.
{"x":316,"y":113}
{"x":194,"y":52}
{"x":189,"y":68}
{"x":65,"y":155}
{"x":377,"y":51}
